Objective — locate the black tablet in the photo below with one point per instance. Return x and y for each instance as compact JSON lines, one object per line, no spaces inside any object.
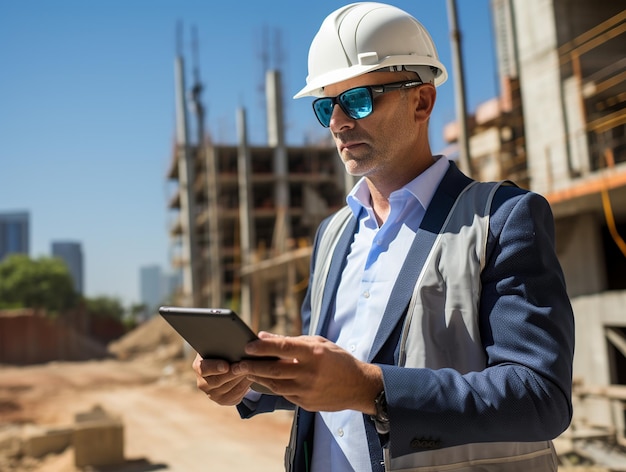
{"x":214,"y":333}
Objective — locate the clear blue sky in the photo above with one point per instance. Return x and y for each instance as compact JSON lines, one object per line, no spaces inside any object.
{"x":87,"y":108}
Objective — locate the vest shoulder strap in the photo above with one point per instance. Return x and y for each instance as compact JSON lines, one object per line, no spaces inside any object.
{"x":325,"y":248}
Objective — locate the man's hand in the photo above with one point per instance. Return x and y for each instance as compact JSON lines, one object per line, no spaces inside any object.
{"x":312,"y":372}
{"x":216,"y":378}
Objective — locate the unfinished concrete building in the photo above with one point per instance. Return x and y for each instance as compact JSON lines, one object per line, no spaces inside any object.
{"x":559,"y":128}
{"x":245,"y":216}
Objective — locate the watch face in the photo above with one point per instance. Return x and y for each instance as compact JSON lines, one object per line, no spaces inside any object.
{"x":381,"y":408}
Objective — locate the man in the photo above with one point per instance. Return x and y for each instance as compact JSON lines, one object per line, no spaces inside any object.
{"x":440,"y":335}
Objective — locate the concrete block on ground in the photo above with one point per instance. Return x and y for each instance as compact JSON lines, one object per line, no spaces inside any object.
{"x":38,"y":442}
{"x":10,"y":440}
{"x":99,"y":443}
{"x":97,"y":413}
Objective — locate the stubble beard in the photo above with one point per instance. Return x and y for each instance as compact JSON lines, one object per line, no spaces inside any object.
{"x":357,"y":165}
{"x":357,"y":162}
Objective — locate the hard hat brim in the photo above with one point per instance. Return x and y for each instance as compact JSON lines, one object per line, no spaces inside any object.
{"x":315,"y":88}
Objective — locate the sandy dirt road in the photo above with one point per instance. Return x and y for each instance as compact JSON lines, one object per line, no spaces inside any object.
{"x":168,"y":424}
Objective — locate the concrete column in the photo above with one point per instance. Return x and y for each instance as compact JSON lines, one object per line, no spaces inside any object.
{"x":581,"y":255}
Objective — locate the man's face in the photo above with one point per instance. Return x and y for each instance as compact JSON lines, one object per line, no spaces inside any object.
{"x":373,"y":145}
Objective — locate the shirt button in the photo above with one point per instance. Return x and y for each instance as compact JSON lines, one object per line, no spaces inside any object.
{"x":352,"y":347}
{"x":366,"y":294}
{"x":340,"y":432}
{"x":378,"y":242}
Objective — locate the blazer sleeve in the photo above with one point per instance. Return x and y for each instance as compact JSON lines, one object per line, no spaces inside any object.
{"x":527,"y":330}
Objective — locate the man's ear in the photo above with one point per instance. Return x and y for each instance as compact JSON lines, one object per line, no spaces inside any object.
{"x":424,"y":101}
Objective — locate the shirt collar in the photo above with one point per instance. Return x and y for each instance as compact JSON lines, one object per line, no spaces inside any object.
{"x":422,"y":188}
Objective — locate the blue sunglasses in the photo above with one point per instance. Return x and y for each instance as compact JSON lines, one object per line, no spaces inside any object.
{"x":358,"y":102}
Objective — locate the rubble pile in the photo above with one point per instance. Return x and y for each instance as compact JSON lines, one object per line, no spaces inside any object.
{"x":153,"y":339}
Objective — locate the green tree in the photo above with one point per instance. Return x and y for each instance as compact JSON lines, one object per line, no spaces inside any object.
{"x":136,"y":313}
{"x":36,"y":283}
{"x":109,"y":307}
{"x":138,"y":309}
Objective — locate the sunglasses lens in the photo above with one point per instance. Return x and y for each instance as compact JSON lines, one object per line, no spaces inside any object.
{"x":323,"y":108}
{"x":357,"y":103}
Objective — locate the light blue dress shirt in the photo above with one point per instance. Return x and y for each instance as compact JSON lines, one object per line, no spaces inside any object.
{"x":340,"y":443}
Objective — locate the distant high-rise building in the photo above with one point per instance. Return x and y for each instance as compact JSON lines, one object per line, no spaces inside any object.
{"x":173,"y":282}
{"x":156,"y":286}
{"x":14,"y":233}
{"x":151,"y":286}
{"x":72,"y":254}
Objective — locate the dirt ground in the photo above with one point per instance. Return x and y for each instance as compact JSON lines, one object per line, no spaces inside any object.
{"x":168,"y":423}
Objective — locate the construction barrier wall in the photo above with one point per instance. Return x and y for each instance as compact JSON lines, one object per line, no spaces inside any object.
{"x":27,"y":337}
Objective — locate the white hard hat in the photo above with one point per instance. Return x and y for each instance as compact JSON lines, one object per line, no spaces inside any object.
{"x":364,"y":37}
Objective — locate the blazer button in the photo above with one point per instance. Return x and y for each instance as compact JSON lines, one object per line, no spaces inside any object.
{"x":423,"y":443}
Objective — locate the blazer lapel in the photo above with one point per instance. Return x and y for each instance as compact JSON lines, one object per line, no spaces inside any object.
{"x":403,"y":289}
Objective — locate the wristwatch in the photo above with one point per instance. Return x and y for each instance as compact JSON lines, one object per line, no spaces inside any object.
{"x":381,"y":419}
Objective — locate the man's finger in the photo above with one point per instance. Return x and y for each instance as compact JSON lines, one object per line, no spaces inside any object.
{"x":286,"y":347}
{"x":280,"y":369}
{"x":213,"y":367}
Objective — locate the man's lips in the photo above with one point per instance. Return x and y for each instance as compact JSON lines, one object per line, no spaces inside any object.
{"x":350,"y":145}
